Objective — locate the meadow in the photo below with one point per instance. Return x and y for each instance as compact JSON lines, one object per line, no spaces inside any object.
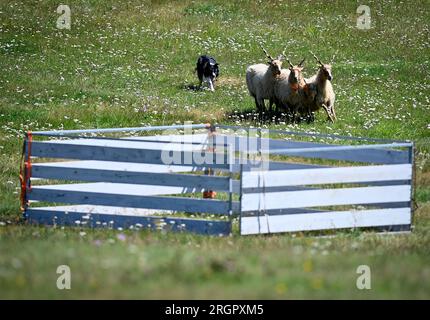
{"x":131,"y":63}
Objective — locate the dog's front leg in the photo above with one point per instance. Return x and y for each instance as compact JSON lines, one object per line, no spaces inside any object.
{"x":210,"y":84}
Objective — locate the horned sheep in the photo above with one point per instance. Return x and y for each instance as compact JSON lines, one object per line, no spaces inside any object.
{"x":318,"y":91}
{"x":287,"y":88}
{"x":260,"y":79}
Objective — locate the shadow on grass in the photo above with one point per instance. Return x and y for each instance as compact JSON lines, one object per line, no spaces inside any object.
{"x":195,"y":88}
{"x":190,"y":87}
{"x":252,"y":115}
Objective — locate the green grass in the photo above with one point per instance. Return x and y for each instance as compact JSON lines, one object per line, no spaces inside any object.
{"x":129,"y":63}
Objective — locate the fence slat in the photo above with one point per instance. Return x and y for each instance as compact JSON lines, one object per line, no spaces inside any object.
{"x":122,"y":188}
{"x":52,"y":216}
{"x":145,"y":167}
{"x":128,"y":200}
{"x":325,"y":220}
{"x":325,"y":197}
{"x":130,"y":143}
{"x":111,"y":130}
{"x":387,"y":156}
{"x":201,"y":138}
{"x":255,"y":179}
{"x":123,"y":166}
{"x":136,"y":155}
{"x":150,"y":178}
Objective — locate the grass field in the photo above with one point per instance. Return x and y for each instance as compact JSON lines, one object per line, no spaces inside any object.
{"x":131,"y":63}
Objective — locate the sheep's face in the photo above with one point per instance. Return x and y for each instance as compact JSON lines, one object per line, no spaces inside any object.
{"x":275,"y":66}
{"x":325,"y":71}
{"x":295,"y":74}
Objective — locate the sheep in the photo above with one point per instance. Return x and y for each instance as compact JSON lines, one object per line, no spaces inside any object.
{"x":287,"y":88}
{"x":307,"y":104}
{"x":260,"y":79}
{"x":320,"y":91}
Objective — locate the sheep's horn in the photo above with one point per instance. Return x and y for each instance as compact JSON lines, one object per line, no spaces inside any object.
{"x":288,"y":60}
{"x":265,"y":52}
{"x":318,"y":60}
{"x":283,"y":51}
{"x":301,"y":62}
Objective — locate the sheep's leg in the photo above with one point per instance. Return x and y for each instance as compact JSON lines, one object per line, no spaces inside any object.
{"x":270,"y":106}
{"x":309,"y":115}
{"x":257,"y":105}
{"x":333,"y":112}
{"x":290,"y":112}
{"x":328,"y":112}
{"x":299,"y":115}
{"x":260,"y":106}
{"x":263,"y":110}
{"x":293,"y":113}
{"x":280,"y":108}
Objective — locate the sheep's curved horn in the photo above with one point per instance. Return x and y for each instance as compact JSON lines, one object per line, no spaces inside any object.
{"x":301,"y":62}
{"x":288,"y":60}
{"x":318,"y":60}
{"x":334,"y":56}
{"x":283,"y":52}
{"x":265,"y":52}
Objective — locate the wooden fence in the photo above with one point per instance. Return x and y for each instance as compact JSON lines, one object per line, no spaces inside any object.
{"x":126,"y":182}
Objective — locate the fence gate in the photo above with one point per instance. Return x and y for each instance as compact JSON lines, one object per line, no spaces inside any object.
{"x":317,"y":197}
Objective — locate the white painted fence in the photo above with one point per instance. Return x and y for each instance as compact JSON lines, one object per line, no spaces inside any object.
{"x":123,"y":182}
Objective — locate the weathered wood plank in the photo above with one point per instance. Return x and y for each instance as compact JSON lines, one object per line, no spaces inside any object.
{"x":102,"y":197}
{"x":258,"y":179}
{"x":199,"y":138}
{"x":122,"y":188}
{"x":48,"y":216}
{"x":111,"y":130}
{"x":132,"y":177}
{"x":384,"y":156}
{"x":123,"y":211}
{"x":325,"y":197}
{"x":135,"y":155}
{"x":130,"y":144}
{"x":324,"y":220}
{"x":122,"y":166}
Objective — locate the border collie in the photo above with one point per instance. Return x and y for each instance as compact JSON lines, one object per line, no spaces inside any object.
{"x":207,"y":71}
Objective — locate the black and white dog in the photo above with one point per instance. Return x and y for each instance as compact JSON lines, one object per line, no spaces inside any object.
{"x":207,"y":71}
